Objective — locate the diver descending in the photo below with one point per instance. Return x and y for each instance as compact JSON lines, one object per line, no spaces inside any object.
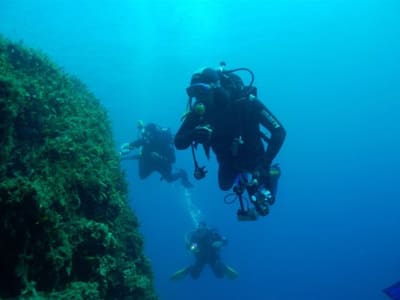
{"x":205,"y":244}
{"x":224,"y":116}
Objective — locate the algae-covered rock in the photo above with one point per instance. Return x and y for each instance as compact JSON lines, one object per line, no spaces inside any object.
{"x":66,"y":231}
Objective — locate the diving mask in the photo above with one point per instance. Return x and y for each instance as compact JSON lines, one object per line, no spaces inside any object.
{"x":199,"y":90}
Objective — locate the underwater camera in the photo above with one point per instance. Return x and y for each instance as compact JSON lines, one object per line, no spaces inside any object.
{"x":199,"y":172}
{"x":247,"y":215}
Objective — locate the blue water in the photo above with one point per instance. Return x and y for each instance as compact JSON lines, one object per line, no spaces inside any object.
{"x":329,"y":70}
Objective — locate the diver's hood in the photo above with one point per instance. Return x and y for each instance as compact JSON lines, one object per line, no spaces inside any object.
{"x":205,"y":75}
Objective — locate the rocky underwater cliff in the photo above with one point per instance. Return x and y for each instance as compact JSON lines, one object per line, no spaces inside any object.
{"x":66,"y":230}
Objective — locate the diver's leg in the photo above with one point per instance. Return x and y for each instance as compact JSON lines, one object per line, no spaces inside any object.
{"x":269,"y":179}
{"x":226,"y":176}
{"x":165,"y":169}
{"x":196,"y":269}
{"x":184,"y":178}
{"x":218,"y":268}
{"x":170,"y":176}
{"x":145,"y":168}
{"x":274,"y":174}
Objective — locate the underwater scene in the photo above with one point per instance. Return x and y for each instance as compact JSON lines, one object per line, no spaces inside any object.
{"x":197,"y":150}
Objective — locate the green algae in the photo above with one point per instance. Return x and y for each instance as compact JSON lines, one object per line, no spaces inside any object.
{"x":66,"y":229}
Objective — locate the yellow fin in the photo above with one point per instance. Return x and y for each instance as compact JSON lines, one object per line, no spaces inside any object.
{"x":180,"y":274}
{"x":230,"y":273}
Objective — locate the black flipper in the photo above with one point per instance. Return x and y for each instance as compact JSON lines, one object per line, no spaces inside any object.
{"x":393,"y":291}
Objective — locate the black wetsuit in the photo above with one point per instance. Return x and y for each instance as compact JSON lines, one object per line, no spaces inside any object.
{"x":158,"y":154}
{"x":230,"y":120}
{"x":206,"y":253}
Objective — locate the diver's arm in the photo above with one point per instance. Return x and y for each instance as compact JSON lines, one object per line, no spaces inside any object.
{"x":136,"y":144}
{"x":184,"y":136}
{"x":278,"y":133}
{"x":219,"y":241}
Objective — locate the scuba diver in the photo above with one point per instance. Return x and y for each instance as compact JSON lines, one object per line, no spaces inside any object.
{"x":156,"y":153}
{"x":205,"y":244}
{"x":226,"y":116}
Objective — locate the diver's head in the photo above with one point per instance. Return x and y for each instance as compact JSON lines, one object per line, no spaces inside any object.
{"x":151,"y":127}
{"x":205,"y":87}
{"x":202,"y":83}
{"x":202,"y":225}
{"x":149,"y":131}
{"x":205,"y":75}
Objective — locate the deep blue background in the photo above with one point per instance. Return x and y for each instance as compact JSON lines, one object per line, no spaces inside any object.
{"x":329,"y":70}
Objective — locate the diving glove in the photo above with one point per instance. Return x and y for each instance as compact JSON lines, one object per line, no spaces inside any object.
{"x":124,"y":149}
{"x":202,"y":134}
{"x":217,"y":244}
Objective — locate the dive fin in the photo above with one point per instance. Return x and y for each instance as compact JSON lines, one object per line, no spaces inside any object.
{"x":230,"y":272}
{"x":180,"y":274}
{"x":393,"y":291}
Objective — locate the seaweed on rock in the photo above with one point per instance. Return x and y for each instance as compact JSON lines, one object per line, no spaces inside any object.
{"x":66,"y":229}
